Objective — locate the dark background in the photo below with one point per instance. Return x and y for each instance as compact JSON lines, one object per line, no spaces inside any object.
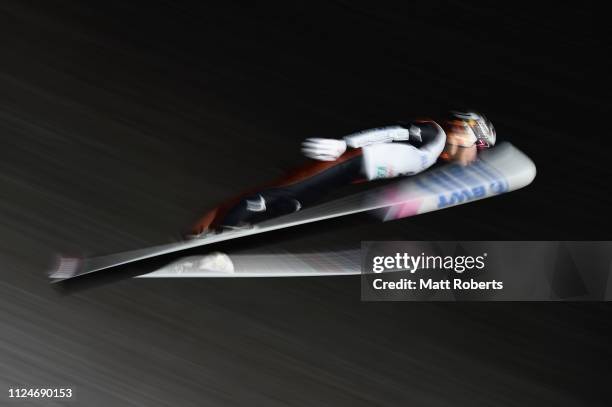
{"x":121,"y":122}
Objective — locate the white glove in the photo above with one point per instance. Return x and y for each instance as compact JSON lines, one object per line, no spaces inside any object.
{"x":323,"y":149}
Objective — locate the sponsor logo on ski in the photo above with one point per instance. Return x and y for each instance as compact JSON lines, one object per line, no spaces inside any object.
{"x":470,"y":194}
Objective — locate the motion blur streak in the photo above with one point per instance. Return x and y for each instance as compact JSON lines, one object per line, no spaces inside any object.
{"x":345,"y":262}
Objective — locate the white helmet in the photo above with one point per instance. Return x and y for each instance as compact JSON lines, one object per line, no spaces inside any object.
{"x":483,"y":129}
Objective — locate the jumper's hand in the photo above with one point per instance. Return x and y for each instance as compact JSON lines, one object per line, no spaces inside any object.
{"x":323,"y":149}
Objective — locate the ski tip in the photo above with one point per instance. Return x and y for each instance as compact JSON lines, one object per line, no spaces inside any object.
{"x":66,"y":267}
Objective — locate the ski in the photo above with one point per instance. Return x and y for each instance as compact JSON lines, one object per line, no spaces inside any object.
{"x":498,"y":170}
{"x":262,"y":264}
